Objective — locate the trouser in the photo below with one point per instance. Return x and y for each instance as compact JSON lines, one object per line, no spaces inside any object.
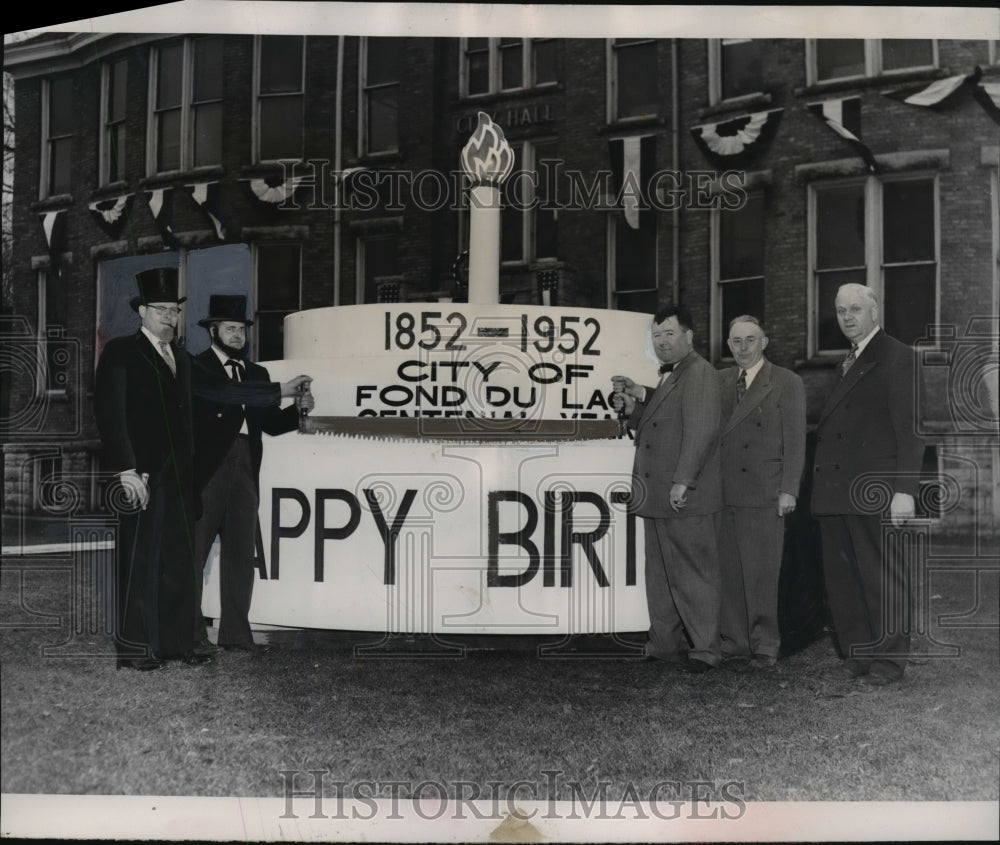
{"x":682,"y":588}
{"x":867,"y":592}
{"x":229,"y":511}
{"x":751,"y":541}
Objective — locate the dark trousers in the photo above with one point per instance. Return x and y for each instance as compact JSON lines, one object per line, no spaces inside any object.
{"x":868,"y":593}
{"x":682,"y":588}
{"x":229,"y":511}
{"x":156,"y":576}
{"x":751,"y":541}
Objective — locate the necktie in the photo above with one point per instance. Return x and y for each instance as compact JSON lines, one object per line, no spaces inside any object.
{"x":236,"y":368}
{"x":741,"y":386}
{"x":849,"y":360}
{"x":167,"y":356}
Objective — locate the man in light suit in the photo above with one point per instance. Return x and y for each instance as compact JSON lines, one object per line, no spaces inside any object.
{"x":676,"y":487}
{"x":142,"y":401}
{"x":867,"y":436}
{"x":763,"y":449}
{"x":228,"y":453}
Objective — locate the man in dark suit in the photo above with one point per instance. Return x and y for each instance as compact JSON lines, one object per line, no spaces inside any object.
{"x":676,"y":487}
{"x":763,"y":449}
{"x":142,"y":402}
{"x":228,"y":452}
{"x":866,"y":443}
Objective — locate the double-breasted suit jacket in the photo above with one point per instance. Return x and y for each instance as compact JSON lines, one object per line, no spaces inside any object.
{"x":763,"y":437}
{"x":763,"y":444}
{"x":867,"y":449}
{"x":677,"y":442}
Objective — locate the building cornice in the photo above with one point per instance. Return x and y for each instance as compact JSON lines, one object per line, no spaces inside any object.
{"x":39,"y":57}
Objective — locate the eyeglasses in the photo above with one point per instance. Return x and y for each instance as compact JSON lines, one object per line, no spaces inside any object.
{"x":166,"y":309}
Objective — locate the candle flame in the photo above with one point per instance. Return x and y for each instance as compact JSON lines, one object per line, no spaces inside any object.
{"x":487,"y":157}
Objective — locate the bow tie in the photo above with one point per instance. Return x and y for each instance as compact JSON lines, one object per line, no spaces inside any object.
{"x":666,"y":368}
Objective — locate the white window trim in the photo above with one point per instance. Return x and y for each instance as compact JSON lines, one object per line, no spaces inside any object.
{"x":715,"y":72}
{"x":528,"y":80}
{"x":255,"y":140}
{"x":614,"y":219}
{"x":187,"y":107}
{"x":255,"y":286}
{"x":104,"y":151}
{"x":873,"y":63}
{"x":874,"y":247}
{"x":718,"y":332}
{"x":363,"y":129}
{"x":612,"y":81}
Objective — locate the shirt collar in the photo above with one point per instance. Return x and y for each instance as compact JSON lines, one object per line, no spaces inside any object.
{"x":752,"y":371}
{"x":866,"y":340}
{"x":153,"y":339}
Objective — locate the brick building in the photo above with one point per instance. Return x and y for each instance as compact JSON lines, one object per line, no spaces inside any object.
{"x":308,"y":171}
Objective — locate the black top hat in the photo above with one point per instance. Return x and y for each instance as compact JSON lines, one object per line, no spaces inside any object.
{"x":225,"y":308}
{"x":156,"y":285}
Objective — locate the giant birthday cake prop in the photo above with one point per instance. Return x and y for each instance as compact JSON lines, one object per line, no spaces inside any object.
{"x":462,"y":471}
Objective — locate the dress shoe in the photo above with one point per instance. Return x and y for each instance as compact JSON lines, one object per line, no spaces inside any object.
{"x":194,"y":658}
{"x":694,"y":667}
{"x":140,"y":664}
{"x":206,"y":646}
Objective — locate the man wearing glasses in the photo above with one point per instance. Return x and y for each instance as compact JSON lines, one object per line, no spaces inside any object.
{"x":142,"y":399}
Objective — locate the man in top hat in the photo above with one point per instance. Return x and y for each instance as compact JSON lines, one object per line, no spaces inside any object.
{"x":142,"y":400}
{"x":228,"y":452}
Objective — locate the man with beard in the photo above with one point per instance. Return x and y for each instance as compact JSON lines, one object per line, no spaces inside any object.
{"x":228,"y":452}
{"x":142,"y":401}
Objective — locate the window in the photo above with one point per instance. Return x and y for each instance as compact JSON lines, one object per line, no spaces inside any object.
{"x":880,"y":233}
{"x":491,"y":65}
{"x":53,"y":357}
{"x":377,"y":259}
{"x":58,"y":109}
{"x":738,"y":266}
{"x":280,"y":97}
{"x":527,"y":227}
{"x":734,"y":68}
{"x":187,"y":105}
{"x":380,"y":95}
{"x":632,"y":263}
{"x":113,"y":100}
{"x":848,"y":58}
{"x":278,"y":292}
{"x":632,"y":79}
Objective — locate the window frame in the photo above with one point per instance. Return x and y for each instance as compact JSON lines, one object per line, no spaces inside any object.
{"x":874,"y":67}
{"x":875,"y":265}
{"x":258,"y":97}
{"x":612,"y":52}
{"x":715,"y":97}
{"x":187,"y":108}
{"x":527,"y":152}
{"x":45,"y":188}
{"x":718,"y":333}
{"x":257,"y":247}
{"x":615,"y":218}
{"x":109,"y":126}
{"x":43,"y":386}
{"x":361,"y":245}
{"x":529,"y":74}
{"x":364,"y":131}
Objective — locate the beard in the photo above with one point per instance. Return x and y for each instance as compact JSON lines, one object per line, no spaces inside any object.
{"x":231,"y":351}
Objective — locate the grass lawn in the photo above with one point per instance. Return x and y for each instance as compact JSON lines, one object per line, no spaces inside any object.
{"x":793,"y":732}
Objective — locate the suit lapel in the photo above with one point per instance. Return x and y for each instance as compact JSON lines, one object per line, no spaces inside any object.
{"x":867,"y":361}
{"x":667,"y":387}
{"x":759,"y":388}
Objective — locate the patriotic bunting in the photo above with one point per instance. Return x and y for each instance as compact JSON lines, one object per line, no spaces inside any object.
{"x":940,"y":91}
{"x":736,"y":142}
{"x":633,"y":162}
{"x":161,"y":204}
{"x":54,"y":226}
{"x":844,"y":117}
{"x":207,"y":195}
{"x":111,"y":215}
{"x":274,"y":194}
